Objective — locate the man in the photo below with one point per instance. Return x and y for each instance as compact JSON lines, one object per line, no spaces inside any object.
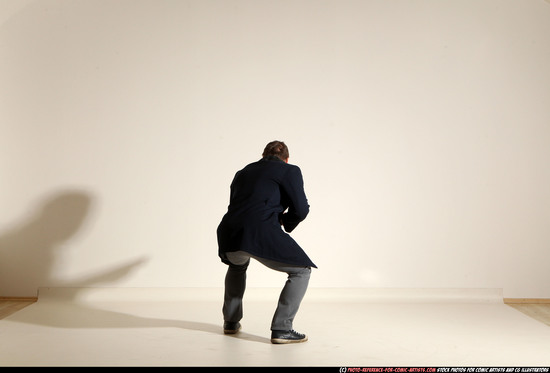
{"x":260,"y":194}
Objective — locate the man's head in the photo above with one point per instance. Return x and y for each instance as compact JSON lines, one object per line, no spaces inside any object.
{"x":277,"y":149}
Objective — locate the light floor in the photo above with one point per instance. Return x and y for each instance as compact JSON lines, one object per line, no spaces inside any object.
{"x":111,"y":328}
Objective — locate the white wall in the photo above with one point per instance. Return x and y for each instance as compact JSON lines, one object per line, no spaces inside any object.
{"x":422,"y":129}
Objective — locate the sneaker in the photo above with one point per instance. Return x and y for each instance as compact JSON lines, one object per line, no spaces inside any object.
{"x":287,"y":336}
{"x":231,"y":327}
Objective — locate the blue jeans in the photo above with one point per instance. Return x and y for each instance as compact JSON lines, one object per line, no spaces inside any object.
{"x":289,"y":300}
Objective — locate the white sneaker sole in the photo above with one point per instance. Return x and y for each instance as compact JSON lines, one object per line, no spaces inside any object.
{"x":282,"y":341}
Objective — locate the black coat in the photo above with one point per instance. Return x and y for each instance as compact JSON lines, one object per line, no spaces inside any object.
{"x":260,"y":194}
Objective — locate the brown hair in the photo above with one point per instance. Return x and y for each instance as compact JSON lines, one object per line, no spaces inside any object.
{"x":277,"y":149}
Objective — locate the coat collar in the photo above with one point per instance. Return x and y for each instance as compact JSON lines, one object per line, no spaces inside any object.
{"x":272,"y":158}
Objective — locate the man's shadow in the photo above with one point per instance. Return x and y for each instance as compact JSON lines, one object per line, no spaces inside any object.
{"x":30,"y":251}
{"x":82,"y":315}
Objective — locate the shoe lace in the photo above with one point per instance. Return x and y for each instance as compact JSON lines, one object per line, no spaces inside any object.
{"x":296,"y":333}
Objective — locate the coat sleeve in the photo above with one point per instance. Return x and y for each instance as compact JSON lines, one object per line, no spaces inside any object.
{"x":298,"y":207}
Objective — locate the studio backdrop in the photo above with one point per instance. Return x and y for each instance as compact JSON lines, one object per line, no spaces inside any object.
{"x":422,"y":129}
